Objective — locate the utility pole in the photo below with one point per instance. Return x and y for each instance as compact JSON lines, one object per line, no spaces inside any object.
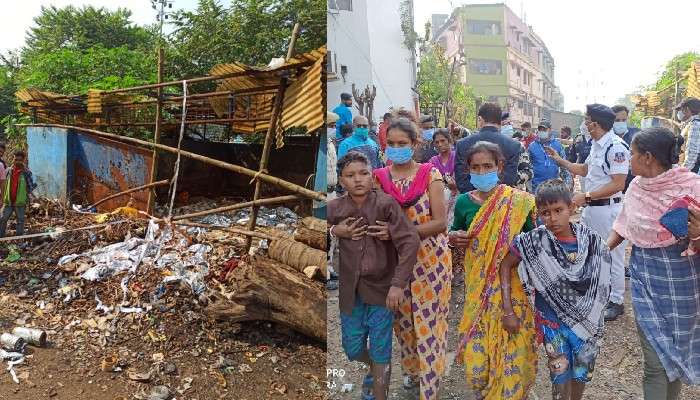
{"x":159,"y":6}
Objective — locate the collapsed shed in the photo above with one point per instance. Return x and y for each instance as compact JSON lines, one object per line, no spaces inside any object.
{"x":89,"y":149}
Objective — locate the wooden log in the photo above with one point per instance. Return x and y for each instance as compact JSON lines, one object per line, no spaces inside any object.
{"x":264,"y":289}
{"x":313,"y":232}
{"x":298,"y":255}
{"x":136,"y":189}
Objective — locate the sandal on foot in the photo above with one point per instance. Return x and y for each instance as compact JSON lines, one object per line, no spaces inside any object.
{"x":409,"y":382}
{"x":367,"y":386}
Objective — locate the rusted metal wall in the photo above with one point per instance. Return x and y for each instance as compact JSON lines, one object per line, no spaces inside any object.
{"x":101,"y":167}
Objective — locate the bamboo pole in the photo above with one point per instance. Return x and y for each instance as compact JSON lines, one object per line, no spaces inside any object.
{"x":243,"y":232}
{"x":156,"y":132}
{"x":136,"y":189}
{"x":261,"y":202}
{"x":292,"y":187}
{"x":275,"y":115}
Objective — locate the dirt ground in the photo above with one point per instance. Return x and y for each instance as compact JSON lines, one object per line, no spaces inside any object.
{"x":618,"y":373}
{"x":174,"y":344}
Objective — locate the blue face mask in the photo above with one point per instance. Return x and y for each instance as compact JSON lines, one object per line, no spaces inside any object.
{"x":428,"y":134}
{"x":620,"y":127}
{"x":399,"y":155}
{"x":484,"y":183}
{"x":507,"y":130}
{"x":362,"y":132}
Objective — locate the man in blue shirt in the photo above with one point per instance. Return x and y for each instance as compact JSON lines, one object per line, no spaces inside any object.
{"x":489,"y":122}
{"x":543,"y":166}
{"x":344,"y":111}
{"x":360,"y":142}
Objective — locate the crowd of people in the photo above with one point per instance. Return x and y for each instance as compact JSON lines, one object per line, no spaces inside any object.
{"x":411,"y":204}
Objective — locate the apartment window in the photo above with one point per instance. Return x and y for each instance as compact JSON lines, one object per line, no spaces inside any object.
{"x":330,"y":62}
{"x":488,"y":28}
{"x":340,"y":5}
{"x":486,"y":67}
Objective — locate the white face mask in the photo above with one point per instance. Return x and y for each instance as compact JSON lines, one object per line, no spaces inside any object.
{"x":330,"y":131}
{"x":680,"y":115}
{"x":543,"y":135}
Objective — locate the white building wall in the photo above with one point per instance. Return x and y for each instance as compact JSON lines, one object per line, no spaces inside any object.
{"x":368,"y":40}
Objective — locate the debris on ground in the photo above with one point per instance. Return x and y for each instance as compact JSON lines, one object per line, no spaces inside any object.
{"x":124,"y":308}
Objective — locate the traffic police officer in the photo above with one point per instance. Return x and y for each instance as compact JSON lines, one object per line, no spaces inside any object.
{"x":604,"y":172}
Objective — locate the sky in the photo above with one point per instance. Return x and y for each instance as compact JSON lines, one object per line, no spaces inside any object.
{"x":602,"y":49}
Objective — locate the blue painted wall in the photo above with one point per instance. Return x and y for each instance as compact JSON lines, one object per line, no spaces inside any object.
{"x":48,"y":161}
{"x":69,"y":165}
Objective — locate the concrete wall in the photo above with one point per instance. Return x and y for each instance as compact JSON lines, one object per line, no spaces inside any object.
{"x":48,"y":161}
{"x":368,"y":40}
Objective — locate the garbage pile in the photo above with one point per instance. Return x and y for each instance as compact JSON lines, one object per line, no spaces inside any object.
{"x":131,"y":298}
{"x":167,"y":248}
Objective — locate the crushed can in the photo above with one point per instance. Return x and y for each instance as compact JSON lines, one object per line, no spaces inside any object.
{"x":12,"y":342}
{"x":33,"y":336}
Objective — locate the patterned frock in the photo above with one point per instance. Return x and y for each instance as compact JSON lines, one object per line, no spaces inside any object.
{"x":421,"y":327}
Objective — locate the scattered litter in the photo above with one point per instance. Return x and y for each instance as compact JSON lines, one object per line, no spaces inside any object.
{"x":12,"y":342}
{"x":160,"y":393}
{"x":244,"y":368}
{"x":186,"y":385}
{"x":13,"y":255}
{"x":108,"y":363}
{"x":36,"y":337}
{"x":347,"y":388}
{"x":139,"y":376}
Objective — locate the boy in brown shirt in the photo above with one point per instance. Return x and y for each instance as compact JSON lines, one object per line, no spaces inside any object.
{"x":376,"y":264}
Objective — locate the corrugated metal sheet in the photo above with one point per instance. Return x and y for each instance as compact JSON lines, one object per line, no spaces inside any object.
{"x":303,"y":104}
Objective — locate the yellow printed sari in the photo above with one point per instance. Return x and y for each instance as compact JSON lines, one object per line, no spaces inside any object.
{"x":498,"y":365}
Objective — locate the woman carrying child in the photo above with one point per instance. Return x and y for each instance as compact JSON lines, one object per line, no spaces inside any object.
{"x":664,"y":269}
{"x":421,"y":327}
{"x":568,"y":268}
{"x":498,"y":365}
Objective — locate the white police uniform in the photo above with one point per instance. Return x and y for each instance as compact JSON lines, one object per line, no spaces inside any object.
{"x":609,"y":156}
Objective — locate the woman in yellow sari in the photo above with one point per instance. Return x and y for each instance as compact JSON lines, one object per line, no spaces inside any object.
{"x":498,"y":365}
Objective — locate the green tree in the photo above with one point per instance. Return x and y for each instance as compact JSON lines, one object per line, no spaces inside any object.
{"x":70,"y":50}
{"x":250,"y":31}
{"x":678,"y":64}
{"x":433,"y":80}
{"x":83,"y":28}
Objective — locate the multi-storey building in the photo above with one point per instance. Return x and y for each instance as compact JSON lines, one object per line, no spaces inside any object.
{"x":503,"y":59}
{"x":366,"y":48}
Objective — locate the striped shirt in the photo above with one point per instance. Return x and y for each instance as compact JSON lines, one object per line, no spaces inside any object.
{"x":691,"y":134}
